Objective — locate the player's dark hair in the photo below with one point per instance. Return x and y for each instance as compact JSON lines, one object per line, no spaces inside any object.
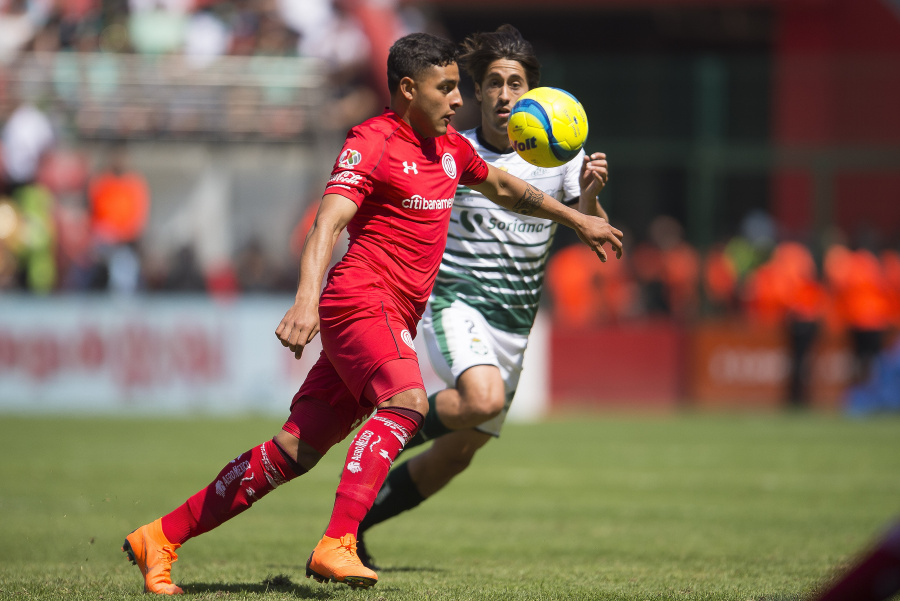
{"x":479,"y":50}
{"x":414,"y":53}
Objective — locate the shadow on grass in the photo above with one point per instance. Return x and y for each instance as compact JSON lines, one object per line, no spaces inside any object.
{"x":283,"y":584}
{"x":411,"y":569}
{"x":272,"y":584}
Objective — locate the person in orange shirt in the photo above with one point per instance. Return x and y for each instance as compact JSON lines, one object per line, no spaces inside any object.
{"x":863,"y":303}
{"x":119,"y":200}
{"x":786,"y":290}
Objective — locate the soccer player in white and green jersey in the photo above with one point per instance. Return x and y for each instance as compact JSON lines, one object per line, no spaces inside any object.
{"x":487,"y":292}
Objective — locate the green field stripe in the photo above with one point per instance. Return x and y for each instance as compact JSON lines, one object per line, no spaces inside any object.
{"x":682,"y":504}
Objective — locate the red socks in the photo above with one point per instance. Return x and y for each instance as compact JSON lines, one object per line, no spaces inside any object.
{"x":243,"y":481}
{"x":370,"y":457}
{"x":260,"y":470}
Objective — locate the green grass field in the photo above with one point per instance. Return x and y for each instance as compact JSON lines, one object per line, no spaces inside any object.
{"x":594,"y":507}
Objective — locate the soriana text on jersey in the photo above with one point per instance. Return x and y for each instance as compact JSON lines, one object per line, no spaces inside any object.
{"x":425,"y":204}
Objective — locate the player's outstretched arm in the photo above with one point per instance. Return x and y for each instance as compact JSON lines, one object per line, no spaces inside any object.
{"x":521,"y":197}
{"x":301,"y":322}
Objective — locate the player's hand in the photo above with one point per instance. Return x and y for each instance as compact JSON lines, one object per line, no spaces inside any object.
{"x":596,"y":231}
{"x":298,"y":327}
{"x":594,"y":174}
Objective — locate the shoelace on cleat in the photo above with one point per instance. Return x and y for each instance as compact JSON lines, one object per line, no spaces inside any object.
{"x":166,"y":556}
{"x":349,"y":547}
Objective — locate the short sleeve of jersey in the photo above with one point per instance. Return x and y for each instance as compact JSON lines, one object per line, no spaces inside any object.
{"x":573,"y":174}
{"x":476,"y":170}
{"x":352,"y":175}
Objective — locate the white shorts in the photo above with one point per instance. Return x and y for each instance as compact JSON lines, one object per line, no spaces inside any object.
{"x":458,"y":337}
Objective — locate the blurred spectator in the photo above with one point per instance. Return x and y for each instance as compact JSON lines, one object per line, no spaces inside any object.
{"x":720,"y":282}
{"x":119,"y":200}
{"x":668,"y":270}
{"x":26,"y":138}
{"x":17,"y":28}
{"x":254,"y":269}
{"x":861,"y":296}
{"x":890,"y":261}
{"x":37,"y":253}
{"x":184,"y":273}
{"x":10,"y":240}
{"x":786,"y":291}
{"x":585,"y":292}
{"x":158,"y":26}
{"x":207,"y":37}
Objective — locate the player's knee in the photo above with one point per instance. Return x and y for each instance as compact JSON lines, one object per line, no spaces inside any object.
{"x":482,"y":404}
{"x":298,"y":450}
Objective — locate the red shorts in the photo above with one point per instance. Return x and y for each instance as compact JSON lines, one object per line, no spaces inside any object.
{"x":363,"y":363}
{"x":360,"y":339}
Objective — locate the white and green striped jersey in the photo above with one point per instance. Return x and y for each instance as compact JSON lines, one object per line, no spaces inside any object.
{"x":494,"y":260}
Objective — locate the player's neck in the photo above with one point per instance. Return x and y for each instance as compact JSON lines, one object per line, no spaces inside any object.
{"x":497,"y":141}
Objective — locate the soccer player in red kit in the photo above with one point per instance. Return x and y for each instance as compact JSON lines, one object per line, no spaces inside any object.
{"x":392,"y":187}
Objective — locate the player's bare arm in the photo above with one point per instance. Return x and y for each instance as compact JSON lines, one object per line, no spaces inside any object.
{"x":517,"y":195}
{"x":594,"y":175}
{"x":301,"y":322}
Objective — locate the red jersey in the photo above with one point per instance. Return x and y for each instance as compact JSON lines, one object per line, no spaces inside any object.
{"x":404,"y":185}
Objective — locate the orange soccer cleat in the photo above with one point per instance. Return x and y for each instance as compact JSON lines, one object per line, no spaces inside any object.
{"x":150,"y":550}
{"x":336,"y":560}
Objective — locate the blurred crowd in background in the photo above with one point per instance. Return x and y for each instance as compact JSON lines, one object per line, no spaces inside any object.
{"x":92,"y":240}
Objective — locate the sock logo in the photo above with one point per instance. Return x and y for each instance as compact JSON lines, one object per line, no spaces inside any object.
{"x":230,"y":476}
{"x":399,"y":432}
{"x":359,"y":445}
{"x":273,"y":476}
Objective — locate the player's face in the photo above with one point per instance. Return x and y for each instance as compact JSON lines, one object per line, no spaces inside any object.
{"x":501,"y":87}
{"x":435,"y":99}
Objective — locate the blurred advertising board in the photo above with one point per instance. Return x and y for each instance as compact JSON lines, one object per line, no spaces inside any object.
{"x":170,"y":355}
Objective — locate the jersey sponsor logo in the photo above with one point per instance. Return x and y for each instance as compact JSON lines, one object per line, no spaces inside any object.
{"x":410,"y":168}
{"x":477,"y":220}
{"x":449,"y":165}
{"x":345,"y":177}
{"x":406,"y":337}
{"x":349,"y":158}
{"x":515,"y":226}
{"x":426,"y":204}
{"x":466,"y":223}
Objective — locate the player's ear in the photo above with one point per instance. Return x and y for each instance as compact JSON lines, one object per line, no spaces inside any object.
{"x":407,"y":87}
{"x":478,"y":92}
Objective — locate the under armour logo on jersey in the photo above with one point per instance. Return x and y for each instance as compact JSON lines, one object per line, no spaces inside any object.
{"x":407,"y":167}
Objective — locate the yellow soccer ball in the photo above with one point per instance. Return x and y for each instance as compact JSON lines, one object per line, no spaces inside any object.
{"x":547,"y":127}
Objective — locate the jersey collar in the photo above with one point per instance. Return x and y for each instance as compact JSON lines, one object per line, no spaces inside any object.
{"x":488,"y":145}
{"x":406,"y":129}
